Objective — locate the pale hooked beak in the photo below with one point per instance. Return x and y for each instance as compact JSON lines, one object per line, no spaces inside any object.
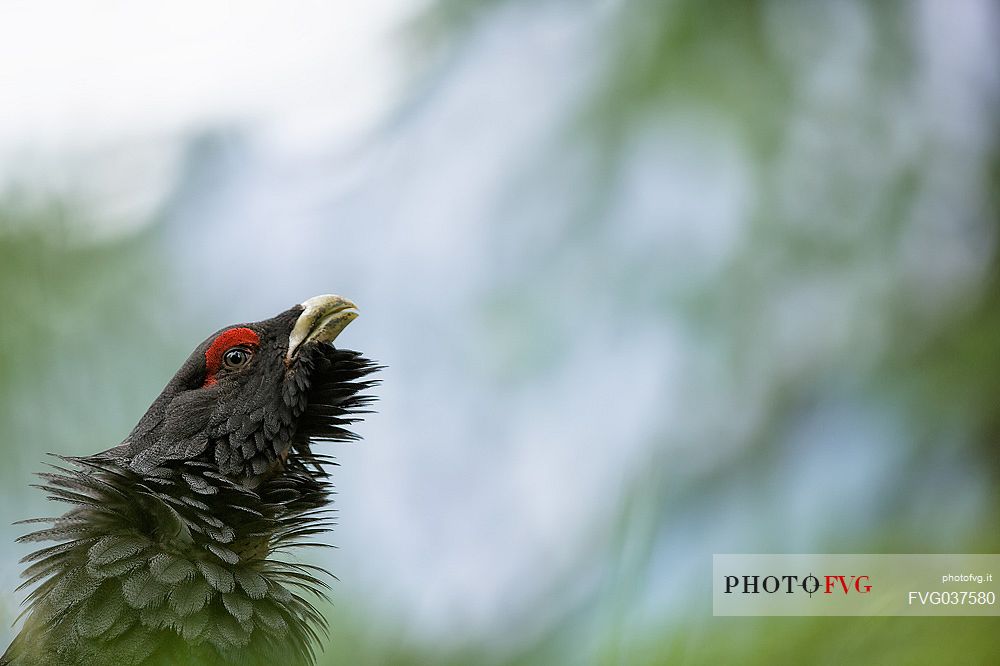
{"x":322,"y":320}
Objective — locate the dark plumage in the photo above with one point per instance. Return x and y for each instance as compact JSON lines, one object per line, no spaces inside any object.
{"x":172,"y":550}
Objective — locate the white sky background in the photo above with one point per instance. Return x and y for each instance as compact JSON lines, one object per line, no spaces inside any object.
{"x":77,"y":72}
{"x":93,"y":95}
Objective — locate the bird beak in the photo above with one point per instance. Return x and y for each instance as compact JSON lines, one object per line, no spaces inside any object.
{"x":322,"y":320}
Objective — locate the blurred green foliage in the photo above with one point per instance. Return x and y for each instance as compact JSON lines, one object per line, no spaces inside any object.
{"x":727,"y":61}
{"x":76,"y":316}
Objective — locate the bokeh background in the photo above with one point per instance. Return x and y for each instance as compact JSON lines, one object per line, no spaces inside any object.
{"x":653,"y":279}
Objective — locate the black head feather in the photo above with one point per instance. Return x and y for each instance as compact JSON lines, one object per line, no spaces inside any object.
{"x":169,"y":553}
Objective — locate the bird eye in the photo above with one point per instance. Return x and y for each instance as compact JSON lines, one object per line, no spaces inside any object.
{"x":236,"y":357}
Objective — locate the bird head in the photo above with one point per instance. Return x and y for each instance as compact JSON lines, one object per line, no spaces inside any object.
{"x":251,"y":394}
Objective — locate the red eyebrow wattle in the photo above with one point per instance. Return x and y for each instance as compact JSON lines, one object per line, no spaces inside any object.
{"x":226,"y":340}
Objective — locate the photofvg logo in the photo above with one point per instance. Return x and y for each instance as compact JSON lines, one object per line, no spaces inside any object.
{"x":855,"y":585}
{"x":789,"y":584}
